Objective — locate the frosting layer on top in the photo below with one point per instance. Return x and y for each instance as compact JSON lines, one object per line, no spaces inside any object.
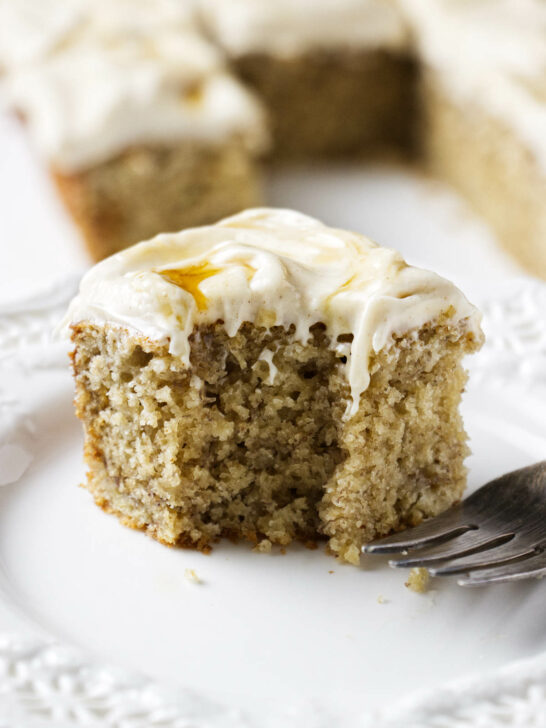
{"x":32,"y":31}
{"x":116,"y":74}
{"x":271,"y":267}
{"x":490,"y":53}
{"x":289,"y":27}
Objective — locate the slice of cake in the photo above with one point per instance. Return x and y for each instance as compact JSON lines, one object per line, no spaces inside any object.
{"x":484,"y":108}
{"x":273,"y":379}
{"x":335,"y":75}
{"x":142,"y":126}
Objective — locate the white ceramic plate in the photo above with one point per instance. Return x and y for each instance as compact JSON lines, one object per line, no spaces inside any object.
{"x":263,"y":640}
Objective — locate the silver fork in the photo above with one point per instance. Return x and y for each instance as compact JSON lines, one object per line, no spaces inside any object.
{"x":497,"y":534}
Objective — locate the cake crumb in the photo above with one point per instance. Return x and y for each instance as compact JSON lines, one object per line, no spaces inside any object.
{"x":418,"y":580}
{"x":330,"y":572}
{"x":191,"y":575}
{"x":263,"y":546}
{"x":381,"y":599}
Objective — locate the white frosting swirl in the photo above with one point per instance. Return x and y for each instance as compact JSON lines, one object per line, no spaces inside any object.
{"x":290,"y":27}
{"x":271,"y":267}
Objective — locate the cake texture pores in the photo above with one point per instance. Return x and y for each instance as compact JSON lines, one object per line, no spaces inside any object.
{"x":277,"y":267}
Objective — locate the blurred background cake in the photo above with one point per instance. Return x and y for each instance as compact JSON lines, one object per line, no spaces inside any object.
{"x":153,"y":115}
{"x":143,"y":128}
{"x":335,"y":75}
{"x":483,"y":102}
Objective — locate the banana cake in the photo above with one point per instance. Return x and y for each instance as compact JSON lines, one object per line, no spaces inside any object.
{"x":138,"y":119}
{"x":270,"y":378}
{"x":483,"y":111}
{"x":336,"y":76}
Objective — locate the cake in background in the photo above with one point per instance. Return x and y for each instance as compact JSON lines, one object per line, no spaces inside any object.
{"x":270,"y":378}
{"x":142,"y":126}
{"x":146,"y":130}
{"x":335,"y":76}
{"x":483,"y":97}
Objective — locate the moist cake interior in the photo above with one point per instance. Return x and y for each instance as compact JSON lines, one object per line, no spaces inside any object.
{"x":251,"y":441}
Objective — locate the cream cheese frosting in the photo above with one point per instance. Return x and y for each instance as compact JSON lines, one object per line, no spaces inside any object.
{"x":130,"y":76}
{"x":290,"y":27}
{"x":489,"y":53}
{"x":271,"y":267}
{"x":32,"y":31}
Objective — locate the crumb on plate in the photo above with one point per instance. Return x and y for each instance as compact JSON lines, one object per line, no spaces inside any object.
{"x":263,"y":546}
{"x":191,"y":575}
{"x":418,"y":580}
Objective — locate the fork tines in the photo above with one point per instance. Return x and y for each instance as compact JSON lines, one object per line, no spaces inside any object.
{"x":497,"y":534}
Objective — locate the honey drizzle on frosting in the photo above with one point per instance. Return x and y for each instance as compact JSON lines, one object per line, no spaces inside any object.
{"x":190,"y":279}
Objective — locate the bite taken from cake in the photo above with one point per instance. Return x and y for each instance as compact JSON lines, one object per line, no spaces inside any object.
{"x":270,"y":378}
